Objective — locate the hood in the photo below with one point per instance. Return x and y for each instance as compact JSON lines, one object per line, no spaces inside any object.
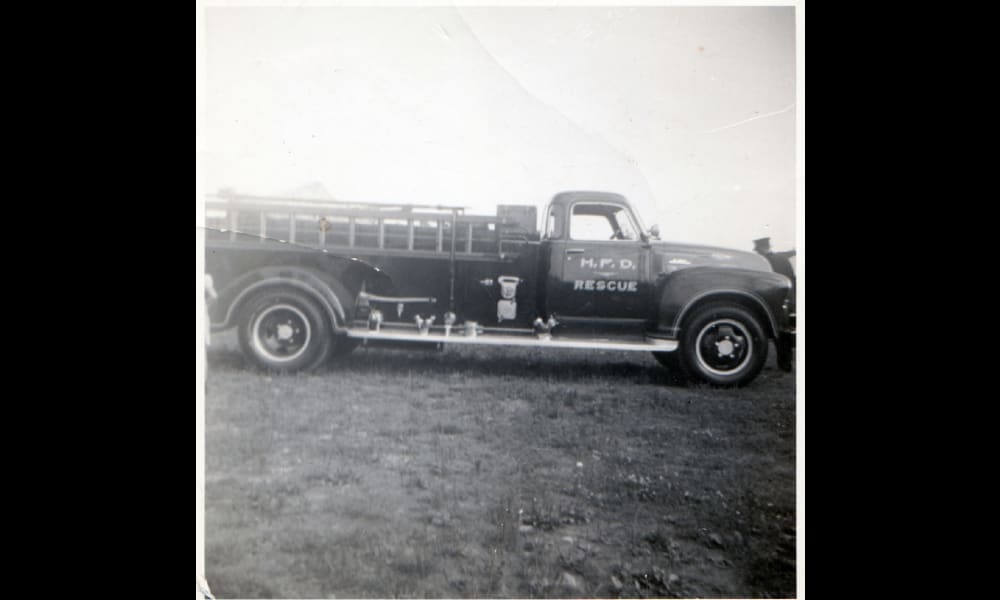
{"x":673,"y":256}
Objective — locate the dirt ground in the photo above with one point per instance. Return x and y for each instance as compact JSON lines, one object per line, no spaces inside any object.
{"x":493,"y":472}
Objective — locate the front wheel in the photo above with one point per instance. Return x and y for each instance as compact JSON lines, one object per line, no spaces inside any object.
{"x":724,"y":345}
{"x":285,"y":331}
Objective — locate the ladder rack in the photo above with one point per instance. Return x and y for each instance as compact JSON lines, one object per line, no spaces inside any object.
{"x":420,"y":228}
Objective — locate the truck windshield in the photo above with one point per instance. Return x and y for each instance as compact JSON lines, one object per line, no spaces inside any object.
{"x":637,"y":219}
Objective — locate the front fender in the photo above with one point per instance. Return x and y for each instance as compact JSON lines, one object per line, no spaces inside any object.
{"x":680,"y":293}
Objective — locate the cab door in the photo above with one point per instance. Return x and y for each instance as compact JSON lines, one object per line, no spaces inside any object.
{"x":598,"y":266}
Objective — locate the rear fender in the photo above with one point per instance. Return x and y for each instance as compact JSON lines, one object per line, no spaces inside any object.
{"x":334,"y":289}
{"x":235,"y":296}
{"x":250,"y":264}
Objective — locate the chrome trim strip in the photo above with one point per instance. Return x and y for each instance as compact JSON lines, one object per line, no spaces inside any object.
{"x":650,"y":345}
{"x":397,"y":300}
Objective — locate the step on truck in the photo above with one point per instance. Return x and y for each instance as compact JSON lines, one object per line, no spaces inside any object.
{"x":305,"y":282}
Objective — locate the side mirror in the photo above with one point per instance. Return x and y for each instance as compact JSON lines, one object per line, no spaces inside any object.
{"x":654,"y":232}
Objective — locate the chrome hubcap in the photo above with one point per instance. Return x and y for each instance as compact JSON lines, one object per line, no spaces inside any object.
{"x":724,"y":346}
{"x":281,"y":332}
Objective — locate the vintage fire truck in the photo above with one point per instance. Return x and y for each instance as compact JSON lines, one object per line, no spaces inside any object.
{"x":305,"y":282}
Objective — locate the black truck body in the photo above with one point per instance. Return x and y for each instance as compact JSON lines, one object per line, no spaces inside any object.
{"x":306,"y":281}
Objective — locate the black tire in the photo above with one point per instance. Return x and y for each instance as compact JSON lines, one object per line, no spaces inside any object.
{"x":723,"y":345}
{"x":285,"y":331}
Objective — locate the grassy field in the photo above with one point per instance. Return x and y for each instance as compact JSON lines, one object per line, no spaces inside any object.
{"x":496,"y":473}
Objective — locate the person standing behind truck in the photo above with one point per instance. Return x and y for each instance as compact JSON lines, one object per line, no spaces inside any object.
{"x":779,"y":260}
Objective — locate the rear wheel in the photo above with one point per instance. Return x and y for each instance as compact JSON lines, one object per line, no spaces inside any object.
{"x":286,"y":331}
{"x":724,"y":345}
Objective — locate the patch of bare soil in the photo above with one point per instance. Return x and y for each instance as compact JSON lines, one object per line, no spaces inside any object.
{"x":496,"y":473}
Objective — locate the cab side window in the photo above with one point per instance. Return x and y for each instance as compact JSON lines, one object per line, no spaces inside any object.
{"x":601,"y":222}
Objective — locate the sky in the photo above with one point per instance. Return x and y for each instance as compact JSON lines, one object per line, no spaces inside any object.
{"x":690,"y":112}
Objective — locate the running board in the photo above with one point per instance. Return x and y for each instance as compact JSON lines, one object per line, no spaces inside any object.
{"x":492,"y":339}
